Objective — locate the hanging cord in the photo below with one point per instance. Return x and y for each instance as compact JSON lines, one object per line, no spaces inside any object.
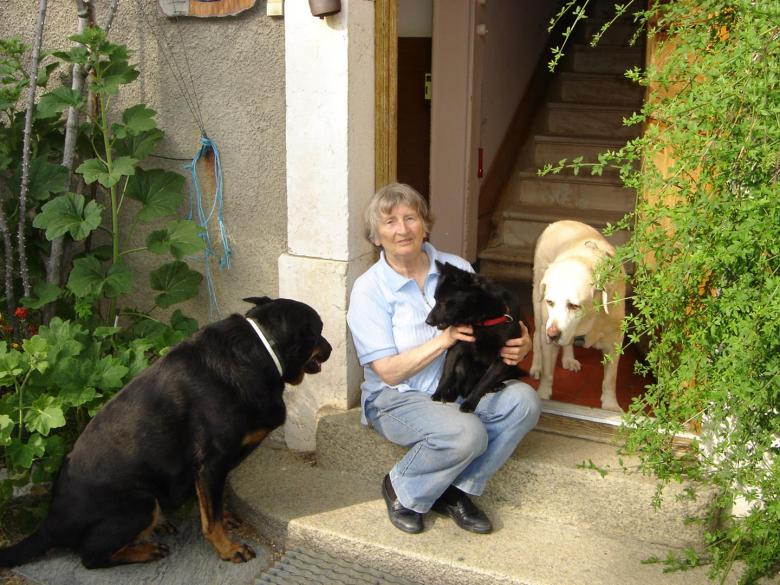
{"x":187,"y":90}
{"x":209,"y":148}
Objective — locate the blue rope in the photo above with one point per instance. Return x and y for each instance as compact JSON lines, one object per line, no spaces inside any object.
{"x":203,"y":220}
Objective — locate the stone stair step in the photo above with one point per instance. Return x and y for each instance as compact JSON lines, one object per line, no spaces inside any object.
{"x":619,"y":32}
{"x":551,"y":149}
{"x":297,"y":504}
{"x":603,"y":59}
{"x":541,"y":479}
{"x":567,"y":119}
{"x":596,"y":88}
{"x":568,"y":191}
{"x":507,"y":263}
{"x":522,"y":225}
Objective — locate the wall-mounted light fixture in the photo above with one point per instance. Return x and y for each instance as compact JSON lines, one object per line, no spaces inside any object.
{"x":323,"y":8}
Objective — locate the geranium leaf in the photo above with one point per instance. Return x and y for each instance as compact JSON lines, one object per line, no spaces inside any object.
{"x":94,"y":170}
{"x":139,"y":119}
{"x":159,"y":192}
{"x":179,"y":238}
{"x":177,"y":283}
{"x":22,"y":454}
{"x":44,"y":293}
{"x":69,"y":214}
{"x":119,"y":280}
{"x":54,"y":102}
{"x":138,"y":146}
{"x":86,"y":277}
{"x":45,"y":178}
{"x":44,"y":415}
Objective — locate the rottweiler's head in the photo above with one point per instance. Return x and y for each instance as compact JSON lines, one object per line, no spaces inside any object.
{"x":463,"y":298}
{"x":294,"y":331}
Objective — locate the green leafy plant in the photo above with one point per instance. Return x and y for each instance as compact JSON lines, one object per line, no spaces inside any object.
{"x":54,"y":376}
{"x":706,"y":289}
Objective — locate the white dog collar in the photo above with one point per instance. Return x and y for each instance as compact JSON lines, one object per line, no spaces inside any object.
{"x":267,"y":345}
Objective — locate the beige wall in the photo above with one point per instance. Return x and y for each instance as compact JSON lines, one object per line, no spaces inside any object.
{"x":238,"y":70}
{"x":478,"y":82}
{"x":517,"y":36}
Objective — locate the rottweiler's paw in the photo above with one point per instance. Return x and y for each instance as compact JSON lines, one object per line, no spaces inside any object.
{"x":242,"y":553}
{"x":467,"y":407}
{"x":159,"y":550}
{"x":437,"y":397}
{"x":165,"y":527}
{"x":230,"y":521}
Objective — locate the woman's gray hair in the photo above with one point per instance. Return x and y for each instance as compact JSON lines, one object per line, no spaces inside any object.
{"x":383,"y":202}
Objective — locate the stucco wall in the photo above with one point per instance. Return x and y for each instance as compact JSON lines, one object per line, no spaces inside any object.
{"x":237,"y":66}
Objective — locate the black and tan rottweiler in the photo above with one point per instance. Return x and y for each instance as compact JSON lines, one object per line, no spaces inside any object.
{"x":176,"y":430}
{"x":471,"y":370}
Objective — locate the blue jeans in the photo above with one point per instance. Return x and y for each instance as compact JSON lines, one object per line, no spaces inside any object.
{"x":450,"y":447}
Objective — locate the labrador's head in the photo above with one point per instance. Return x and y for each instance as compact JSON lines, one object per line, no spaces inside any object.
{"x":570,"y":300}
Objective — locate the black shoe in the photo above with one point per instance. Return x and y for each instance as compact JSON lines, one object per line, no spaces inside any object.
{"x":401,"y":517}
{"x":458,"y":506}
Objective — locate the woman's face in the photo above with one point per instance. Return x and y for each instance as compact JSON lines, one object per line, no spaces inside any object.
{"x":400,"y":232}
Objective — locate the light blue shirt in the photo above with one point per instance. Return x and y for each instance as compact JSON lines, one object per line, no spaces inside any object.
{"x":386,"y":316}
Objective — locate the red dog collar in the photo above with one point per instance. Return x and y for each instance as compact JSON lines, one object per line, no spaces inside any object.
{"x":506,"y":317}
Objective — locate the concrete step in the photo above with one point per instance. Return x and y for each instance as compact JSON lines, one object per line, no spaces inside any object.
{"x":551,"y":149}
{"x":521,"y":225}
{"x":568,"y":191}
{"x":570,"y":119}
{"x":603,"y":59}
{"x":541,"y":479}
{"x":596,"y":88}
{"x":297,"y":504}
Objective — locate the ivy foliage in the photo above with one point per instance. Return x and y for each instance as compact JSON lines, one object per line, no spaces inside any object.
{"x":706,"y":287}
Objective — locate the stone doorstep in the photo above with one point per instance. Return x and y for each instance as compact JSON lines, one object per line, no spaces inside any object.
{"x":296,"y":504}
{"x":544,"y":477}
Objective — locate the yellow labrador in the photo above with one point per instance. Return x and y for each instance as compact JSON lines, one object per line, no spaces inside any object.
{"x":569,"y":310}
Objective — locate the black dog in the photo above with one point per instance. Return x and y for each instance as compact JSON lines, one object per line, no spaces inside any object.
{"x":471,"y":370}
{"x":176,"y":430}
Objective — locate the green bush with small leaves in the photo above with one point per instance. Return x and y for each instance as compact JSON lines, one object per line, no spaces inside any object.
{"x":706,"y":288}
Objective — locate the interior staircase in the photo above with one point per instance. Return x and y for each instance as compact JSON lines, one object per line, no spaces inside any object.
{"x":582,"y":115}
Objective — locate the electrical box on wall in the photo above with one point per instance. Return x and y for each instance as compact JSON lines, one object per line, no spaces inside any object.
{"x":274,"y":8}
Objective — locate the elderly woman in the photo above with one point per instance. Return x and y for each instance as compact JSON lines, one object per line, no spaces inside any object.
{"x":452,"y":454}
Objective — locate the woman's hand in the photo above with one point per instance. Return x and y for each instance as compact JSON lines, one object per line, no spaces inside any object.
{"x":516,"y":349}
{"x":396,"y":368}
{"x":456,"y":333}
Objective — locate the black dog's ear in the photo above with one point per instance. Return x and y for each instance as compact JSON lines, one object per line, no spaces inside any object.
{"x":440,"y":266}
{"x":258,"y":300}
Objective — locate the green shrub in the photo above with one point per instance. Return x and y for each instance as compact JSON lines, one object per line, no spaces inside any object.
{"x":55,"y":376}
{"x":706,"y":246}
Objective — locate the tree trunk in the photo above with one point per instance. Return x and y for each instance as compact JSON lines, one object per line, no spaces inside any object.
{"x":54,"y":264}
{"x":36,"y":53}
